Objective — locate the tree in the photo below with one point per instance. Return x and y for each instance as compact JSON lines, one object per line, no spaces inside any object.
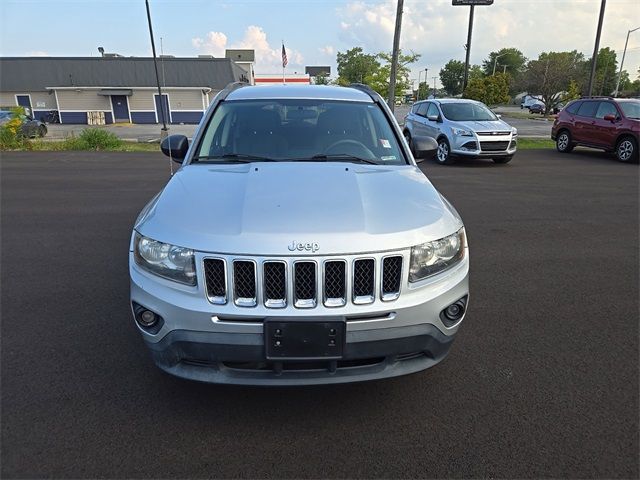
{"x":452,"y":76}
{"x":322,"y":79}
{"x":475,"y":72}
{"x":355,"y":66}
{"x":511,"y":57}
{"x":548,"y":78}
{"x":491,"y":90}
{"x":604,"y":82}
{"x":379,"y":80}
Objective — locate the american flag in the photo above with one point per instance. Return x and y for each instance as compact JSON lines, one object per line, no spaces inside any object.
{"x":284,"y":57}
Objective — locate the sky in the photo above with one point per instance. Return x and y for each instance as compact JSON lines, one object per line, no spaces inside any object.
{"x":313,"y":31}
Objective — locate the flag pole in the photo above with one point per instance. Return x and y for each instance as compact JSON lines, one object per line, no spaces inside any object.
{"x":283,"y":51}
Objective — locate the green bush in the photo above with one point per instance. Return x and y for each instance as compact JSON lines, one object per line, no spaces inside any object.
{"x":11,"y":139}
{"x":95,"y":139}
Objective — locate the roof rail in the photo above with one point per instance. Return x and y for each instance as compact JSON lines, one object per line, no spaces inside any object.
{"x":609,"y":97}
{"x":230,"y":88}
{"x":366,"y":89}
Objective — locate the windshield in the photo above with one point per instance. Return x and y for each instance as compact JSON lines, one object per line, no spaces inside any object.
{"x":299,"y":130}
{"x":630,"y":108}
{"x":467,"y":112}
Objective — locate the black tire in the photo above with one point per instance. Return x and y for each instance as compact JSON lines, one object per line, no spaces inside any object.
{"x":627,"y":150}
{"x":563,"y":142}
{"x":443,"y":154}
{"x":407,"y":137}
{"x":503,"y":159}
{"x":42,"y":131}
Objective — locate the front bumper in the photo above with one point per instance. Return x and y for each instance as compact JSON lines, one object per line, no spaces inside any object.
{"x":204,"y":342}
{"x":479,"y":146}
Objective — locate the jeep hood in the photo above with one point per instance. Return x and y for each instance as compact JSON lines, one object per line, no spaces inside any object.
{"x":261,"y":208}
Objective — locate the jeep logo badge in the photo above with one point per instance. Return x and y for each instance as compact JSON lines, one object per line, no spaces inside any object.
{"x":309,"y":247}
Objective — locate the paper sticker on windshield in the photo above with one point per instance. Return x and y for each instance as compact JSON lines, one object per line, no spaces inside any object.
{"x":388,"y":158}
{"x":385,"y":143}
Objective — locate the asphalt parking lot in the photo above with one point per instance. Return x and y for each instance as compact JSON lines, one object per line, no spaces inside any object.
{"x":542,"y":380}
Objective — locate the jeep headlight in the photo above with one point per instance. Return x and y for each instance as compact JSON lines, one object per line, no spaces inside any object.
{"x":462,"y":133}
{"x":165,"y":260}
{"x":434,"y":257}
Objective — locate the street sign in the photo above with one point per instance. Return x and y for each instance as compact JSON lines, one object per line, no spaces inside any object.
{"x":471,"y":2}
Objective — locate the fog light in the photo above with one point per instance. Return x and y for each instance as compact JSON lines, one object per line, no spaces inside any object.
{"x":147,"y":318}
{"x":452,"y":312}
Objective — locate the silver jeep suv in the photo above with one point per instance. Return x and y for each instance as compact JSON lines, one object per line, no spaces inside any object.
{"x":298,"y":243}
{"x":462,"y":128}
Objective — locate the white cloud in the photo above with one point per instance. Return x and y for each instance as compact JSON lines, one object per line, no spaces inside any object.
{"x":438,"y":30}
{"x":327,"y":50}
{"x":214,"y":43}
{"x":268,"y":56}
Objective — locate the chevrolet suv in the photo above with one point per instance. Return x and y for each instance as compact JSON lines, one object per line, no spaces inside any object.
{"x":298,"y":243}
{"x":610,"y":124}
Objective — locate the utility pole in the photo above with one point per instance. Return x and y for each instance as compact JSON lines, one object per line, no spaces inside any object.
{"x":622,"y":61}
{"x":163,"y":132}
{"x":594,"y":58}
{"x":394,"y":57}
{"x":434,"y":87}
{"x":468,"y":46}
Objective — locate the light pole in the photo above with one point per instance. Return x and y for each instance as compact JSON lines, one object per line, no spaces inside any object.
{"x":622,"y":61}
{"x":495,"y":60}
{"x":434,"y":87}
{"x":394,"y":56}
{"x":418,"y":94}
{"x":163,"y":132}
{"x":594,"y":58}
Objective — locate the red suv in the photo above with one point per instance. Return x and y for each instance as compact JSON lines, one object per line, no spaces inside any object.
{"x":612,"y":124}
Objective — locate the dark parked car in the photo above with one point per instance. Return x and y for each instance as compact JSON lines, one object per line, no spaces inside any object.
{"x":29,"y":126}
{"x":537,"y":108}
{"x":610,"y":124}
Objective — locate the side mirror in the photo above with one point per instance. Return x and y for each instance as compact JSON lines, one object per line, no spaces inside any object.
{"x":499,"y":115}
{"x":610,"y":117}
{"x":433,"y":118}
{"x":175,"y":147}
{"x":423,"y":147}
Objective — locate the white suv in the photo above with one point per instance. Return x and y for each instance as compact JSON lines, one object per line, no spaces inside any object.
{"x":298,"y":244}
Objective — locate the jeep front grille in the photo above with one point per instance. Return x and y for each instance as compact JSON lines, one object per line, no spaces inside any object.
{"x":244,"y":283}
{"x":335,"y":283}
{"x":302,"y":283}
{"x":364,"y":278}
{"x":215,"y":276}
{"x":391,"y":278}
{"x":275,"y":284}
{"x":304,"y":280}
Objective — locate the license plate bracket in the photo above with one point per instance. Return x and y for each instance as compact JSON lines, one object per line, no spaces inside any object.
{"x":304,"y":340}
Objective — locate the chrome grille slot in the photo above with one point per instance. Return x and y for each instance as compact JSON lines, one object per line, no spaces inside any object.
{"x":335,"y":283}
{"x":274,"y":277}
{"x":304,"y":281}
{"x":391,"y":278}
{"x":216,"y":280}
{"x":244,"y":283}
{"x":363,"y":281}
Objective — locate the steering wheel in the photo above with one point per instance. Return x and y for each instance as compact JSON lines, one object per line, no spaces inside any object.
{"x":350,"y":147}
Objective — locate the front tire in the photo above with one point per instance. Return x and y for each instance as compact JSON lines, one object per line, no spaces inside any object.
{"x":407,"y":137}
{"x":443,"y":154}
{"x":627,"y":150}
{"x":563,"y":142}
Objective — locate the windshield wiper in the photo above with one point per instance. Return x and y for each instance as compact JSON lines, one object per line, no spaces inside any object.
{"x":338,"y":157}
{"x":234,"y":158}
